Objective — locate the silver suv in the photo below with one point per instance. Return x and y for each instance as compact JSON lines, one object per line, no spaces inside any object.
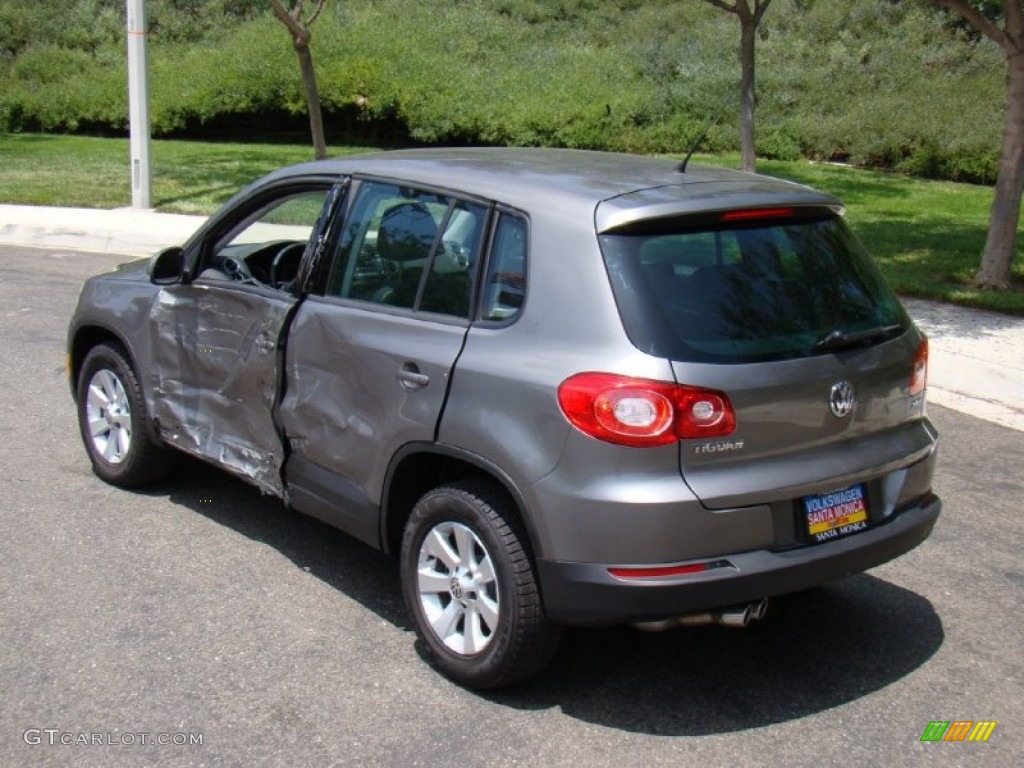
{"x":565,"y":388}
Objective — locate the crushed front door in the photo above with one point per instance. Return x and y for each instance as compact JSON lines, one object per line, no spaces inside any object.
{"x":217,"y":339}
{"x":217,"y":363}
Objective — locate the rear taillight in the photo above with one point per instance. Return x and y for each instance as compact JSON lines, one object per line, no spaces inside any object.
{"x":919,"y":373}
{"x":643,"y":412}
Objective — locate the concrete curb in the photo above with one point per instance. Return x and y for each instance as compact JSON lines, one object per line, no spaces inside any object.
{"x":125,"y":231}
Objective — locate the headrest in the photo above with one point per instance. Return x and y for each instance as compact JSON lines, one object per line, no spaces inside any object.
{"x":406,"y":232}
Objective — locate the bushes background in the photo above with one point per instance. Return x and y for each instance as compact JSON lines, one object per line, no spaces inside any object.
{"x":873,"y":82}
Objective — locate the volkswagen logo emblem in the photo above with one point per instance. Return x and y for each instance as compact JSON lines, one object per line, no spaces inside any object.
{"x":456,"y":588}
{"x":840,"y":399}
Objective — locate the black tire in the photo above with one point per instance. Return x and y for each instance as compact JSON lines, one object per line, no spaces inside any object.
{"x":123,"y":452}
{"x":514,"y":638}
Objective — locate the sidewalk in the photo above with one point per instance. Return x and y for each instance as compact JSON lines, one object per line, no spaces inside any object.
{"x":122,"y":230}
{"x":976,"y":360}
{"x":976,"y":363}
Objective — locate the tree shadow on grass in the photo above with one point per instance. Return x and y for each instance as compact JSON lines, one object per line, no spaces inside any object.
{"x":929,"y":236}
{"x":815,"y":650}
{"x":219,"y":194}
{"x":851,"y":188}
{"x":936,"y":257}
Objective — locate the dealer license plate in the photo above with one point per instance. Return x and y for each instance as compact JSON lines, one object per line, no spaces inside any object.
{"x":833,"y":515}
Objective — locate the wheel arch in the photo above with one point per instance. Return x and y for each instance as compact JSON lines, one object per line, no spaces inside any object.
{"x":87,"y":337}
{"x":420,"y":467}
{"x":83,"y":340}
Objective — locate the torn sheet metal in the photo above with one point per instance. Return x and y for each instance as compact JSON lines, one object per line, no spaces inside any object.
{"x":214,"y":375}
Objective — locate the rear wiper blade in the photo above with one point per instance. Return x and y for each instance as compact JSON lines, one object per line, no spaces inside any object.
{"x":840,"y":339}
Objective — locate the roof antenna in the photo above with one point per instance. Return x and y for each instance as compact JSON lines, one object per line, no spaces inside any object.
{"x":704,"y":134}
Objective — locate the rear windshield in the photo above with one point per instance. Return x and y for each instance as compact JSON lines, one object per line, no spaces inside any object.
{"x":762,"y":291}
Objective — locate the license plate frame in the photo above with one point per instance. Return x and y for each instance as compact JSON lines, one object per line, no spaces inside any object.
{"x":836,"y":514}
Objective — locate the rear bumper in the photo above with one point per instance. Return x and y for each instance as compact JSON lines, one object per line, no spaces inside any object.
{"x":586,"y":594}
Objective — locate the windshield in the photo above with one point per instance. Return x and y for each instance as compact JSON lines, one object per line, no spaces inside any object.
{"x":763,"y":291}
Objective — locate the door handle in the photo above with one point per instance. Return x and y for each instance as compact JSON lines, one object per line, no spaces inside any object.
{"x":410,"y":378}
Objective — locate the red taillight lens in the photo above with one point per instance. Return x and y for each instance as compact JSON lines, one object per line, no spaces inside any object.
{"x":643,"y":412}
{"x":752,"y":214}
{"x":703,"y":413}
{"x":919,"y":373}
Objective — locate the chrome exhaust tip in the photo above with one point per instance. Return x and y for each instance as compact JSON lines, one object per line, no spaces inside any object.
{"x":734,"y":616}
{"x":759,"y":609}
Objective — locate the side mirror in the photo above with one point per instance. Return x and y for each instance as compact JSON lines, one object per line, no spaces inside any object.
{"x":167,"y":266}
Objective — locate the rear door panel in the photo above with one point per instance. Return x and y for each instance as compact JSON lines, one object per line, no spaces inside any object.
{"x":363,"y":382}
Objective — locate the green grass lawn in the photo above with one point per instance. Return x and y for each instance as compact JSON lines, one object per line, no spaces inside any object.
{"x":927,"y":236}
{"x":87,"y":172}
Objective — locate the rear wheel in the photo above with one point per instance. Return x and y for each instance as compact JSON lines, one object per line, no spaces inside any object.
{"x":112,"y":419}
{"x":471,"y":587}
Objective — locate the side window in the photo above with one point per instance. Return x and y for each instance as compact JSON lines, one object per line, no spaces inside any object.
{"x":505,"y":283}
{"x":266,"y":247}
{"x":449,"y":285}
{"x":386,"y":245}
{"x":407,"y":248}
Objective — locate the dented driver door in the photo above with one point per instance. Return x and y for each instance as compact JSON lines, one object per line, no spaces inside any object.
{"x":218,"y":339}
{"x":217,"y":363}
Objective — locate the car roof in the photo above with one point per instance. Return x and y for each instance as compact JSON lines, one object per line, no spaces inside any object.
{"x":626,"y":187}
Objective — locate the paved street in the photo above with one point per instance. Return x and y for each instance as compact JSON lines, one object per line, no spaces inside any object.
{"x":200,"y":607}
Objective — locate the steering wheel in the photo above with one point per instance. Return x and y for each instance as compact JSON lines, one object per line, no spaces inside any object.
{"x":280,"y":260}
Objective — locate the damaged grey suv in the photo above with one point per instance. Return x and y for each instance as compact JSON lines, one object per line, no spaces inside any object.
{"x":564,"y":388}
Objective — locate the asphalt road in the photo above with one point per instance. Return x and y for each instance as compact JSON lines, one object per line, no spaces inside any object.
{"x":199,"y":607}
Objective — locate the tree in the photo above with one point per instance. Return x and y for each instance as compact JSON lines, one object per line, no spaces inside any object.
{"x":997,"y":258}
{"x":750,"y":19}
{"x":298,"y":27}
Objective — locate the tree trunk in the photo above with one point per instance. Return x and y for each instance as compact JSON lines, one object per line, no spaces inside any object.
{"x":748,"y":152}
{"x":316,"y":122}
{"x":997,"y":260}
{"x":750,"y":18}
{"x":300,"y":34}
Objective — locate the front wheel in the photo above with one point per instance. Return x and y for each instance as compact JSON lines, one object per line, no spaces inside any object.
{"x":471,"y":587}
{"x":112,"y":419}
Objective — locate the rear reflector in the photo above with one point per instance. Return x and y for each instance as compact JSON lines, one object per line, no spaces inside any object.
{"x":656,"y":571}
{"x":653,"y":573}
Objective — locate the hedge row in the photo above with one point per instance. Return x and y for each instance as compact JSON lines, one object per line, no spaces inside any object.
{"x":874,"y":83}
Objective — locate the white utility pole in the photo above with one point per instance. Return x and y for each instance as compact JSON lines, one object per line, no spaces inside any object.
{"x":138,"y":104}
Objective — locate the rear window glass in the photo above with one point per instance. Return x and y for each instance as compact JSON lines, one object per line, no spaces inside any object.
{"x":766,"y":291}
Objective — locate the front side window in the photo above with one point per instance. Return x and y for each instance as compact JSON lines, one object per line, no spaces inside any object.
{"x":408,"y":249}
{"x":765,"y":291}
{"x":266,"y":247}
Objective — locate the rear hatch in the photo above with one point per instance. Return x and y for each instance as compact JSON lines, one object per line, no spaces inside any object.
{"x":779,"y":308}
